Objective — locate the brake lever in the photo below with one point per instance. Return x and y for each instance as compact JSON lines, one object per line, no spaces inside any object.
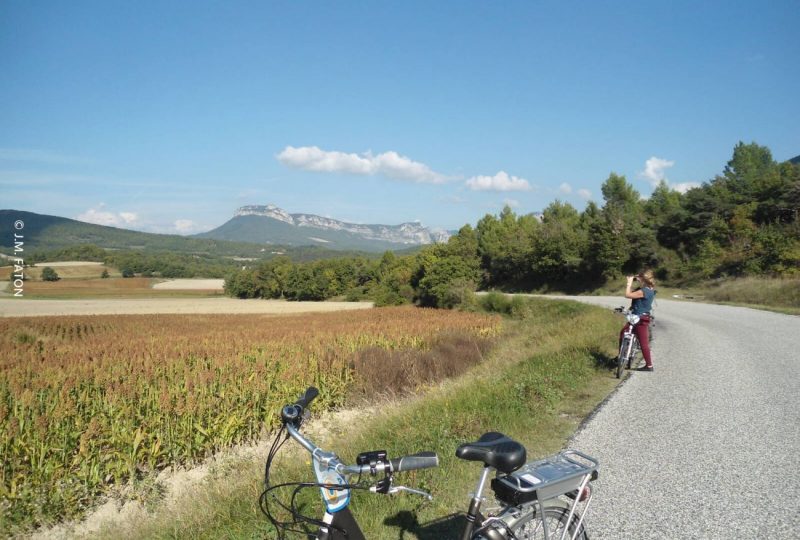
{"x":395,"y":489}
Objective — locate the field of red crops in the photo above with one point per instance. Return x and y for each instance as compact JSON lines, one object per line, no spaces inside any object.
{"x":92,"y":402}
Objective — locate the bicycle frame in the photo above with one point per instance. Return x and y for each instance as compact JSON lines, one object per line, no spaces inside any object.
{"x":541,"y":483}
{"x":629,"y":341}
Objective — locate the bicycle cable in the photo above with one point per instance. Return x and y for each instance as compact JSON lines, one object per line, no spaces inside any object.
{"x":298,"y":519}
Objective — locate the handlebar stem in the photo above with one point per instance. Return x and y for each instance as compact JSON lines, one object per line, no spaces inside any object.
{"x":327,"y":459}
{"x":305,"y":443}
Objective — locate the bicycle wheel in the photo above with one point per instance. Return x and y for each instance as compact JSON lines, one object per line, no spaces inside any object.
{"x":622,"y":356}
{"x":556,"y":516}
{"x":632,"y":352}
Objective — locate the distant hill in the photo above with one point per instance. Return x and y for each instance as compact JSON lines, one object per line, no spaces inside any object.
{"x":795,"y":160}
{"x":272,"y":225}
{"x":47,"y":233}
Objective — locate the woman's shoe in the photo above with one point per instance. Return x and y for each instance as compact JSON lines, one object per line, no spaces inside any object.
{"x":645,"y":368}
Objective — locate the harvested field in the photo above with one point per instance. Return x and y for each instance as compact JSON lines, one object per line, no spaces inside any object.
{"x":70,"y":271}
{"x":191,"y":285}
{"x":23,"y":307}
{"x":115,"y":287}
{"x":61,"y":264}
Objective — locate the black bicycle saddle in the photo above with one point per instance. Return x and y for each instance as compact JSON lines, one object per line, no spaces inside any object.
{"x":496,"y":450}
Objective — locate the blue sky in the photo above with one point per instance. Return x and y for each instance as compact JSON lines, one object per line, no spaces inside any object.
{"x":167,"y":116}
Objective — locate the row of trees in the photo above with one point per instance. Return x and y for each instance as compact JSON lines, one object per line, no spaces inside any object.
{"x":742,"y":222}
{"x":146,"y":263}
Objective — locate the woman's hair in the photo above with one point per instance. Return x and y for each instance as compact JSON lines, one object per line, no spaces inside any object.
{"x":646,"y":277}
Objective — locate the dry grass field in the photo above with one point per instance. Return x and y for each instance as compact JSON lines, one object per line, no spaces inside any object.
{"x":192,"y":284}
{"x":65,"y":270}
{"x":89,"y":404}
{"x":112,"y":287}
{"x":165,"y":303}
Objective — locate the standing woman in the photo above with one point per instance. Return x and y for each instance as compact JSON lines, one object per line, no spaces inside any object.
{"x":641,"y":304}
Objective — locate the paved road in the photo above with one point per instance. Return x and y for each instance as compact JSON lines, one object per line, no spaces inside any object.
{"x":708,"y":445}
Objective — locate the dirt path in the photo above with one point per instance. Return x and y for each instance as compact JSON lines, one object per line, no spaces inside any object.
{"x":16,"y":307}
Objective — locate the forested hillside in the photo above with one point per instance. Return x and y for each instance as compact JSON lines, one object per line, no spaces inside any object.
{"x":49,"y":238}
{"x":743,"y":222}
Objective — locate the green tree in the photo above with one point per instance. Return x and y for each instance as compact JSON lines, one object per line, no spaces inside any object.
{"x":392,"y":283}
{"x":559,"y":246}
{"x":439,"y":274}
{"x":750,"y":166}
{"x":620,"y":240}
{"x":242,"y":284}
{"x":48,"y":274}
{"x":505,"y":247}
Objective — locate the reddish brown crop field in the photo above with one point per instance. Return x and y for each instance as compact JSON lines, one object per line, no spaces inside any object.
{"x":92,"y":402}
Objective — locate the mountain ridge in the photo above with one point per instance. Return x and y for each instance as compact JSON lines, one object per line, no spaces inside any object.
{"x":45,"y":232}
{"x":271,"y":224}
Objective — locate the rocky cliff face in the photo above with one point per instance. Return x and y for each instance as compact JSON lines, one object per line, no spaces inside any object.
{"x":411,"y":233}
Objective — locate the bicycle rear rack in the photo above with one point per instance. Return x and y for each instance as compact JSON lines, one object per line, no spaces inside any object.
{"x":566,"y":473}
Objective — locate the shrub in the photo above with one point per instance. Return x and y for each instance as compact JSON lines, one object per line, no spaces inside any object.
{"x":496,"y":302}
{"x":515,"y":306}
{"x":48,"y":274}
{"x":459,"y":294}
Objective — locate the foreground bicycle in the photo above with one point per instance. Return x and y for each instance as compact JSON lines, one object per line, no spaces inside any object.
{"x":538,"y":499}
{"x":630,"y":343}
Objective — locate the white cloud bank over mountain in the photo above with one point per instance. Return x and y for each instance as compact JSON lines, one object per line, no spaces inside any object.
{"x":99,"y":216}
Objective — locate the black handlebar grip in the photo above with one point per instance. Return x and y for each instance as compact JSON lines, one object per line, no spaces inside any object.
{"x":422,"y":460}
{"x":305,"y":400}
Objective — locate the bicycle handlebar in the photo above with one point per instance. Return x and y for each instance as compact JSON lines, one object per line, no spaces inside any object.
{"x":308,"y":396}
{"x":421,"y":460}
{"x":291,"y":415}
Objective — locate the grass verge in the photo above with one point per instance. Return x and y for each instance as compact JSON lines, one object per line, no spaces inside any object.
{"x":547,"y":373}
{"x":779,"y":294}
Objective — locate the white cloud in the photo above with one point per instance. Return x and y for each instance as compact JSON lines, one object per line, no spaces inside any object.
{"x":654,"y":170}
{"x":391,"y":164}
{"x":129,"y":217}
{"x":185,"y":226}
{"x":499,"y":182}
{"x":565,"y":188}
{"x":99,"y":216}
{"x":584,"y":194}
{"x":513,"y":203}
{"x":684,"y":186}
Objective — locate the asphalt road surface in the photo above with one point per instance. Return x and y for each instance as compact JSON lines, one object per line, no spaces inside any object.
{"x":707,"y":445}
